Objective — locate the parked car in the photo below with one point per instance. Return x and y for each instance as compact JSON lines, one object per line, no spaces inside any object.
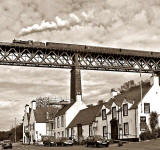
{"x":7,"y":144}
{"x":64,"y":141}
{"x":48,"y":140}
{"x":1,"y":142}
{"x":96,"y":141}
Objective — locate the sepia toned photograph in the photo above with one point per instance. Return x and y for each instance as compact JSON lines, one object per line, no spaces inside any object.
{"x":79,"y":74}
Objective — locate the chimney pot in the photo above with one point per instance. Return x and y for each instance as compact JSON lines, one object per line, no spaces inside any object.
{"x":34,"y":105}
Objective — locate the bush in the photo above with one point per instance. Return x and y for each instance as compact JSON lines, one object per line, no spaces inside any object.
{"x":147,"y":135}
{"x":157,"y":132}
{"x":153,"y":120}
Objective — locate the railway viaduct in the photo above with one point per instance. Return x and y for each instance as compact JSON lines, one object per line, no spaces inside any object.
{"x":77,"y":57}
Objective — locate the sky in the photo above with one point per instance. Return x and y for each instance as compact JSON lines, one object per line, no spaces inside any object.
{"x":109,"y":23}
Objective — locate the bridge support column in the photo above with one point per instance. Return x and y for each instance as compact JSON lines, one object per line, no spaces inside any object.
{"x":75,"y":88}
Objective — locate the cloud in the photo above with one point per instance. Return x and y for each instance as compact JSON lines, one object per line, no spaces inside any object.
{"x":110,"y":23}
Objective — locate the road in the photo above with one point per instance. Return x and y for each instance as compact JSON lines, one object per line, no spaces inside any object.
{"x":147,"y":145}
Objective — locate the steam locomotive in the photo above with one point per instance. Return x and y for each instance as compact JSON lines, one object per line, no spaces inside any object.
{"x":29,"y":42}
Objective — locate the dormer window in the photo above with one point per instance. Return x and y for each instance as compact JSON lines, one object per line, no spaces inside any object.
{"x":103,"y":114}
{"x":125,"y":109}
{"x":146,"y":107}
{"x":114,"y":114}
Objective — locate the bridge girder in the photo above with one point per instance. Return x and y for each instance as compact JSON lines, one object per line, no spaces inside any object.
{"x":89,"y":57}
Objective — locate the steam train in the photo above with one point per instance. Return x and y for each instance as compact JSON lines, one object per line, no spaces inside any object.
{"x":29,"y":42}
{"x":47,"y":44}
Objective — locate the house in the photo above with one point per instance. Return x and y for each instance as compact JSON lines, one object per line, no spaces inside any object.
{"x":125,"y":116}
{"x":26,"y":118}
{"x":65,"y":115}
{"x":130,"y":110}
{"x":88,"y":122}
{"x":39,"y":121}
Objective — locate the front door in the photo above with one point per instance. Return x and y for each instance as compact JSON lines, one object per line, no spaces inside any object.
{"x":114,"y":129}
{"x":79,"y":130}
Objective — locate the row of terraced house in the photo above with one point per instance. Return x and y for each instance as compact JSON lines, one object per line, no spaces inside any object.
{"x":124,"y":116}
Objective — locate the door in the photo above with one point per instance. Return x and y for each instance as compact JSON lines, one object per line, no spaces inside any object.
{"x":114,"y":129}
{"x":79,"y":131}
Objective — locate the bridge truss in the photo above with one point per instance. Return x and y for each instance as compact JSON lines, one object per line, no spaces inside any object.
{"x":58,"y":55}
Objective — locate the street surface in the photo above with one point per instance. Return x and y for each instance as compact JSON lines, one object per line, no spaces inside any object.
{"x":147,"y":145}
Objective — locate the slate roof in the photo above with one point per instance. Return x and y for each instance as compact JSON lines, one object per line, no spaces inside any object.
{"x":63,"y":109}
{"x":86,"y":116}
{"x":41,"y":114}
{"x":132,"y":95}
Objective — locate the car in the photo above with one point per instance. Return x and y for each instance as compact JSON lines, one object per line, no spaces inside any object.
{"x":96,"y":141}
{"x":7,"y":144}
{"x":48,"y":140}
{"x":64,"y":141}
{"x":1,"y":142}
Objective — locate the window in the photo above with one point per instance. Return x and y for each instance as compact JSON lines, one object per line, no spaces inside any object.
{"x":126,"y":129}
{"x":72,"y":132}
{"x":62,"y":133}
{"x":104,"y":131}
{"x":52,"y":126}
{"x":114,"y":112}
{"x":67,"y":133}
{"x":143,"y":124}
{"x":57,"y":122}
{"x":103,"y":114}
{"x":146,"y":107}
{"x":54,"y":123}
{"x":47,"y":115}
{"x":125,"y":109}
{"x":62,"y":121}
{"x":90,"y":130}
{"x":58,"y":134}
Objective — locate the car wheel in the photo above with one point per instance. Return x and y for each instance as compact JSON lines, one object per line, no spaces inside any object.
{"x":95,"y":145}
{"x":107,"y":145}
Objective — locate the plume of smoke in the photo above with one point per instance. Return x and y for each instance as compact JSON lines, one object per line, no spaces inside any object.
{"x":58,"y":24}
{"x":38,"y":28}
{"x":75,"y":18}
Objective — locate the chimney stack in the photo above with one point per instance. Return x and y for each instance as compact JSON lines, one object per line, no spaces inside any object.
{"x":27,"y":108}
{"x":154,"y":80}
{"x":114,"y":92}
{"x":78,"y":97}
{"x":34,"y":105}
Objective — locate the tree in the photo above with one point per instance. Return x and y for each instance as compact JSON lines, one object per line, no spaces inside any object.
{"x":153,"y":121}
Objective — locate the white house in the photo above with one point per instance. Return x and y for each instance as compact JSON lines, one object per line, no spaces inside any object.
{"x":130,"y":110}
{"x":39,"y":118}
{"x":65,"y":115}
{"x":123,"y":117}
{"x":89,"y":122}
{"x":26,"y":118}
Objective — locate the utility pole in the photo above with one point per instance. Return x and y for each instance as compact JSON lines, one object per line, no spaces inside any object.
{"x":15,"y":130}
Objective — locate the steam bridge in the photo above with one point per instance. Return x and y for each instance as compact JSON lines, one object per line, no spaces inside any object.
{"x":77,"y":57}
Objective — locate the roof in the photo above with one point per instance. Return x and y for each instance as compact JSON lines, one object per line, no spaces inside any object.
{"x":41,"y":114}
{"x":86,"y":116}
{"x":132,"y":95}
{"x":63,"y":109}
